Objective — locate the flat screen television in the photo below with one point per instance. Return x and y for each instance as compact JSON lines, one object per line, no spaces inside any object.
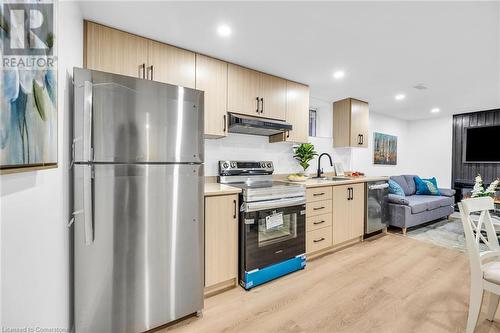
{"x":482,"y":144}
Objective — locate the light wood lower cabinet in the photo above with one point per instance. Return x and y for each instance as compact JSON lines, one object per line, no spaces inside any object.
{"x":318,"y":222}
{"x":221,"y":239}
{"x":334,"y":215}
{"x":348,"y":209}
{"x":211,"y":77}
{"x":318,"y":239}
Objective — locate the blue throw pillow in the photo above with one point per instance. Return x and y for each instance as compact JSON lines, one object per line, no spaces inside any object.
{"x":395,"y":188}
{"x":426,"y":186}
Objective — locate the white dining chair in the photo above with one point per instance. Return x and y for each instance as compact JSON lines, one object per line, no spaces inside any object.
{"x":484,"y":265}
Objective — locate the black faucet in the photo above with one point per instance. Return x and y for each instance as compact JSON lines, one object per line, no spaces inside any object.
{"x":320,"y":171}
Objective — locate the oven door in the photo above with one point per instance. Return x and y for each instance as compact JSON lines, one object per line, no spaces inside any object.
{"x":272,"y":235}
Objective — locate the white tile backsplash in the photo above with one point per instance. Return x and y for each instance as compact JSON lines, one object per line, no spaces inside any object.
{"x":244,"y":147}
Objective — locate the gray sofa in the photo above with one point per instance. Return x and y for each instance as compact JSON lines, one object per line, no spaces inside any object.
{"x":412,"y":209}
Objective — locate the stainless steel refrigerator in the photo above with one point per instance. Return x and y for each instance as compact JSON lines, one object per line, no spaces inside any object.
{"x":138,"y":202}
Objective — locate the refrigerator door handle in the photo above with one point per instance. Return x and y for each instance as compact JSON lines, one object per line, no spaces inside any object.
{"x":87,"y":122}
{"x":88,"y":206}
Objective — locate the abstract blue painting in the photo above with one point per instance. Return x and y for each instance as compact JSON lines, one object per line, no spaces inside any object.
{"x":28,"y":90}
{"x":385,"y":149}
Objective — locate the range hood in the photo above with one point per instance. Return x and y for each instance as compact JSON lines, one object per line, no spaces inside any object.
{"x":257,"y":126}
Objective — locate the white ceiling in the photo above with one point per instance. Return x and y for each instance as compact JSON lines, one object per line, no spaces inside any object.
{"x":385,"y":48}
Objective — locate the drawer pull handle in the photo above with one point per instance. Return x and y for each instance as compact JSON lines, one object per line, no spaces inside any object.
{"x":318,"y":208}
{"x":319,"y":222}
{"x":319,"y":240}
{"x":318,"y":194}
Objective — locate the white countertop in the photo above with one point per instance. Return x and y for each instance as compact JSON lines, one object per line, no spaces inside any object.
{"x":220,"y":189}
{"x":352,"y":180}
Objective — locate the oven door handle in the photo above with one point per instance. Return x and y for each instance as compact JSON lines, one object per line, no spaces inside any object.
{"x":271,"y":204}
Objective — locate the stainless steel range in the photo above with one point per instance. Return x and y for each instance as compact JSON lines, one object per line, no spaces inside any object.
{"x":271,"y":222}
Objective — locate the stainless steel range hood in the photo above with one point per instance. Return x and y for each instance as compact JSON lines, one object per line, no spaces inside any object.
{"x":257,"y":126}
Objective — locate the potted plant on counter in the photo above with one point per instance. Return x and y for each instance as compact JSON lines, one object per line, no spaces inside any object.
{"x":303,"y":154}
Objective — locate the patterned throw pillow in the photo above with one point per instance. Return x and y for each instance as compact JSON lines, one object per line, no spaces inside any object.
{"x":426,"y":186}
{"x":395,"y":188}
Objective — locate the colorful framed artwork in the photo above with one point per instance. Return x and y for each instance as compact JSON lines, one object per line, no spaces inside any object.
{"x":28,"y":93}
{"x":385,"y":149}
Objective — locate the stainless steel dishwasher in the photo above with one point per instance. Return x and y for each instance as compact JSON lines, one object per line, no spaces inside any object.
{"x":376,"y":206}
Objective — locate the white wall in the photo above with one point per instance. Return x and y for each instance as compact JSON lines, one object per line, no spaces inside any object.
{"x":35,"y":280}
{"x":362,"y":158}
{"x":424,"y":148}
{"x":431,"y":142}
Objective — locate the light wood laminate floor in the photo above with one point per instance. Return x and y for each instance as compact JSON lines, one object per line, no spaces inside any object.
{"x":390,"y":284}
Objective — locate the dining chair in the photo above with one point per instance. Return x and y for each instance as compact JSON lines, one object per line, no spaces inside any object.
{"x":484,"y":265}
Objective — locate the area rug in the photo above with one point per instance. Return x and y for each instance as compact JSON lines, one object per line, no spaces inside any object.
{"x":446,"y":233}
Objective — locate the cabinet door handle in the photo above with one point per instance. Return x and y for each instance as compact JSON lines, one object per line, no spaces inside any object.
{"x":142,"y":71}
{"x":234,"y":213}
{"x":352,"y":193}
{"x":362,"y":139}
{"x":349,"y":193}
{"x":258,"y":105}
{"x":319,"y":222}
{"x":262,"y":105}
{"x":224,"y":123}
{"x":318,"y":194}
{"x":318,"y":208}
{"x":318,"y":240}
{"x":150,"y":69}
{"x":287,"y":134}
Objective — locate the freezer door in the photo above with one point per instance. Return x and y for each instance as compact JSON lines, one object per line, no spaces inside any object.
{"x":144,"y":265}
{"x":128,"y":120}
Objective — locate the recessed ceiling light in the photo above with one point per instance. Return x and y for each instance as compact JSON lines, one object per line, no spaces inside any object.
{"x":339,"y":74}
{"x":435,"y":110}
{"x":224,"y":30}
{"x":399,"y":97}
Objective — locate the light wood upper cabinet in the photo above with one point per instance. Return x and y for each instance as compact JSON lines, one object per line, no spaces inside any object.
{"x":350,"y":123}
{"x":211,"y":77}
{"x":255,"y":93}
{"x":243,"y":86}
{"x":114,"y":51}
{"x":221,"y":239}
{"x":348,"y":212}
{"x":170,"y":64}
{"x":297,"y":114}
{"x":273,"y":96}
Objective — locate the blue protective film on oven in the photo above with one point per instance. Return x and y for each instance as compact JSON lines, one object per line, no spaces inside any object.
{"x":260,"y":276}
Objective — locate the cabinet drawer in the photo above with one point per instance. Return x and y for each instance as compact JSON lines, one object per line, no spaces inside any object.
{"x":318,"y":222}
{"x":319,"y":193}
{"x":318,"y":208}
{"x":318,"y":239}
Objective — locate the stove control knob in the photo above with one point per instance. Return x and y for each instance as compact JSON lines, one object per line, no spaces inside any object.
{"x":233,"y":164}
{"x":225,"y":165}
{"x":262,"y":164}
{"x":269,"y":165}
